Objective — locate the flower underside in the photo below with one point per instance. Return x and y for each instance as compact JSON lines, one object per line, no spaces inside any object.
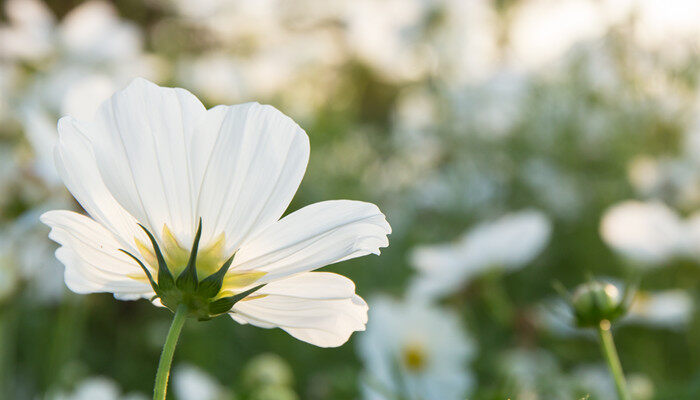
{"x":194,"y":279}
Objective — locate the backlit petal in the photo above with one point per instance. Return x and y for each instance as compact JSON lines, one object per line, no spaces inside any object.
{"x":92,"y":258}
{"x":325,"y":317}
{"x":250,"y":159}
{"x":314,"y":236}
{"x":140,"y":138}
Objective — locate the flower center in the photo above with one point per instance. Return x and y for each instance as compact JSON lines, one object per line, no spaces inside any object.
{"x":209,"y":258}
{"x":199,"y":279}
{"x":414,"y":357}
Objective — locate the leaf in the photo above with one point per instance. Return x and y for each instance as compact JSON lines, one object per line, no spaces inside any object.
{"x":143,"y":267}
{"x":225,"y":304}
{"x":211,"y":285}
{"x":165,"y":277}
{"x":188,"y":281}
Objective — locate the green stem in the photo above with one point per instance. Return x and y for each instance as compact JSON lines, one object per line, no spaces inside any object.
{"x":607,"y":345}
{"x":166,"y":357}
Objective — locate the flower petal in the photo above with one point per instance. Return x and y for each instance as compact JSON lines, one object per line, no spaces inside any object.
{"x":141,"y":137}
{"x":77,"y":167}
{"x":300,"y":305}
{"x":250,"y":159}
{"x":92,"y":258}
{"x":314,"y":236}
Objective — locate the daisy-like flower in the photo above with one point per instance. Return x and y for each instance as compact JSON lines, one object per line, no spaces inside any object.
{"x":414,"y":350}
{"x":184,"y":207}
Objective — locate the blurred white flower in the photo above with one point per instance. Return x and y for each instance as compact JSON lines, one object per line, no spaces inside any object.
{"x":97,"y":388}
{"x":215,"y":77}
{"x":510,"y":242}
{"x":191,"y":383}
{"x":544,"y":30}
{"x":386,"y":35}
{"x":413,"y":350}
{"x":556,"y":317}
{"x":91,"y":52}
{"x":28,"y":35}
{"x":155,"y":156}
{"x":648,"y":233}
{"x":671,"y":309}
{"x":668,"y":27}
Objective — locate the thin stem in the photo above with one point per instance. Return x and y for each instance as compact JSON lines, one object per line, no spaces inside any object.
{"x":607,"y":345}
{"x":166,"y":357}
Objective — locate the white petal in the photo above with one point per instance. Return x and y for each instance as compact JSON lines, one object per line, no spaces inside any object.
{"x":140,"y":138}
{"x":649,"y":233}
{"x":92,"y":258}
{"x":250,"y":159}
{"x":77,"y":167}
{"x":306,"y":311}
{"x":315,"y":236}
{"x":311,"y":285}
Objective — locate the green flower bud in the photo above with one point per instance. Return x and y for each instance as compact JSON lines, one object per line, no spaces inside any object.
{"x":595,"y":302}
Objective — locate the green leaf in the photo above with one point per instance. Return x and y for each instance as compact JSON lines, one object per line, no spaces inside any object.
{"x":211,"y":285}
{"x":224,"y":304}
{"x":143,"y":267}
{"x":188,"y":281}
{"x":165,"y":277}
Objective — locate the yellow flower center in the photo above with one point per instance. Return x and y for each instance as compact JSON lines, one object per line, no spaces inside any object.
{"x":414,"y":357}
{"x":209,"y":260}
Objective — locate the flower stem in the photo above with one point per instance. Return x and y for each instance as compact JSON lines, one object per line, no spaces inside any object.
{"x":607,"y":345}
{"x":166,"y":357}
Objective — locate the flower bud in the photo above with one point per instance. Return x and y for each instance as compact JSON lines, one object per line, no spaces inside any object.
{"x":597,"y":301}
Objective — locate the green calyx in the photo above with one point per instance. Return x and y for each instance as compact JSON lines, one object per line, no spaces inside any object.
{"x":199,"y":296}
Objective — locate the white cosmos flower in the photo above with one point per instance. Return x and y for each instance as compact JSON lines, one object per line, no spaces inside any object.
{"x":413,"y":350}
{"x":648,"y":233}
{"x":157,"y":157}
{"x":510,"y":242}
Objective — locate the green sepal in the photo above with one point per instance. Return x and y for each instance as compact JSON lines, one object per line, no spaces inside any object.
{"x":188,"y":281}
{"x":224,"y":304}
{"x":165,"y":277}
{"x":211,"y":285}
{"x":143,"y":267}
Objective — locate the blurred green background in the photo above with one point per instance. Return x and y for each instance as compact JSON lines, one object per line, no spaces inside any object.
{"x":445,"y":113}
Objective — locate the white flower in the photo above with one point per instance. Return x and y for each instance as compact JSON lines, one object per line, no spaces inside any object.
{"x":91,"y":52}
{"x":648,"y":233}
{"x":413,"y":350}
{"x":510,"y":242}
{"x":157,"y":157}
{"x":191,"y":383}
{"x":671,"y":309}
